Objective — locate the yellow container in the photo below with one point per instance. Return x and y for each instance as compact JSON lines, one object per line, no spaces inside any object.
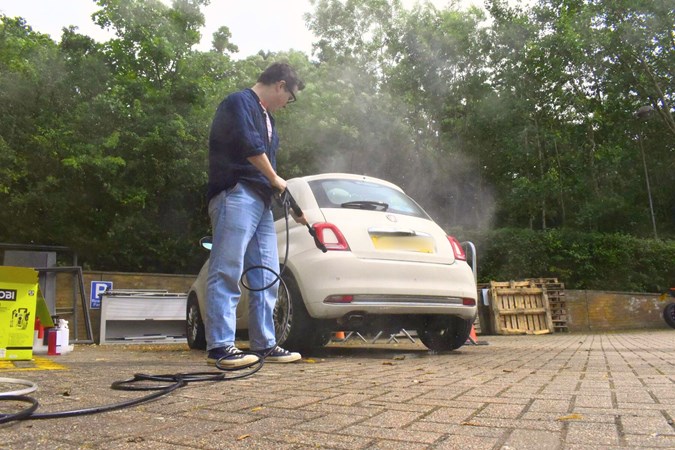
{"x":18,"y":299}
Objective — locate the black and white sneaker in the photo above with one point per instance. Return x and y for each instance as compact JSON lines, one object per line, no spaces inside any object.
{"x":279,"y":355}
{"x":230,"y":356}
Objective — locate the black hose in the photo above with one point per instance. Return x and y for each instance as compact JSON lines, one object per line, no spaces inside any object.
{"x":286,"y":204}
{"x":171,"y":381}
{"x":112,"y":407}
{"x":24,"y":413}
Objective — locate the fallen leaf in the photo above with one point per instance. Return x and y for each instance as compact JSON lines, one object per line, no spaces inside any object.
{"x":257,"y":408}
{"x":243,"y":436}
{"x":309,"y":360}
{"x":573,"y":416}
{"x":387,"y":363}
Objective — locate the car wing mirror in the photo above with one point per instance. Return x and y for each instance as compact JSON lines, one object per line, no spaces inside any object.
{"x":206,"y":242}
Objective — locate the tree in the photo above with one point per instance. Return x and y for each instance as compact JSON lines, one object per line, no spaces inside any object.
{"x":524,"y":120}
{"x":32,"y":134}
{"x":576,"y":109}
{"x":117,"y":167}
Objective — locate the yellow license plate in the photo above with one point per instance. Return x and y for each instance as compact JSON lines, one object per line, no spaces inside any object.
{"x":420,"y":244}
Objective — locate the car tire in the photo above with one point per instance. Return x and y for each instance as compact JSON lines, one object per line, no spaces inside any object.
{"x":446,"y":333}
{"x":321,"y":337}
{"x":301,"y":331}
{"x":283,"y":314}
{"x":669,"y":314}
{"x":194,"y":325}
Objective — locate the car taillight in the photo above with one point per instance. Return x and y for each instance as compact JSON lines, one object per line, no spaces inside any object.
{"x":457,"y":249}
{"x":330,"y":236}
{"x":339,"y":299}
{"x":468,"y":302}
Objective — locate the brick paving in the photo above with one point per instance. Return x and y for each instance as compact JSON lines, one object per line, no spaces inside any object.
{"x":561,"y":391}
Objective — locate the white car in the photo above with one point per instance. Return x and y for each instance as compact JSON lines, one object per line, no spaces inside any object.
{"x":388,"y":267}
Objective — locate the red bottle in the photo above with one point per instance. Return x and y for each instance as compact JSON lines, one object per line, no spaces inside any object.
{"x":52,"y":348}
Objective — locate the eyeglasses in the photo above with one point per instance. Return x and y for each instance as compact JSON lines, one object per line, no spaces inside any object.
{"x":293,"y":98}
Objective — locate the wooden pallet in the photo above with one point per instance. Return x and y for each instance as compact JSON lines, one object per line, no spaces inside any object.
{"x":555,"y":292}
{"x":519,"y":307}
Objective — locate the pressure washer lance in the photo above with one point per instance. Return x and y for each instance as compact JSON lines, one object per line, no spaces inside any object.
{"x":287,"y":199}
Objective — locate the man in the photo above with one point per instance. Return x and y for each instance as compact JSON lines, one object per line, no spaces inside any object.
{"x":242,"y":181}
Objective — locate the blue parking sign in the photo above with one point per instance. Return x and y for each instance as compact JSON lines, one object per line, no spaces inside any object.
{"x":97,"y":289}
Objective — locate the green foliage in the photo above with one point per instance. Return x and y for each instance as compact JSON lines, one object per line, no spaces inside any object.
{"x":115,"y":167}
{"x":614,"y":262}
{"x":514,"y":119}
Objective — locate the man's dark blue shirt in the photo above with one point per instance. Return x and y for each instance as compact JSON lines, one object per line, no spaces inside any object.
{"x":239,"y":131}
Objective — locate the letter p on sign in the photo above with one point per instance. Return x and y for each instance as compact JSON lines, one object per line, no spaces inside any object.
{"x":97,"y":289}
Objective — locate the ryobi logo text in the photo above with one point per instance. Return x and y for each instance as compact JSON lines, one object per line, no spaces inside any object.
{"x":8,"y":294}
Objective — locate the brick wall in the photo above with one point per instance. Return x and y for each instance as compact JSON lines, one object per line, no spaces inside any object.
{"x":607,"y":311}
{"x":586,"y":310}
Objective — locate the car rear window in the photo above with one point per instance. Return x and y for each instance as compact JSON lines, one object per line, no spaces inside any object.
{"x":336,"y":193}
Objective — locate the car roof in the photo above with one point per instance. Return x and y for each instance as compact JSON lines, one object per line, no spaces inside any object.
{"x":348,"y":176}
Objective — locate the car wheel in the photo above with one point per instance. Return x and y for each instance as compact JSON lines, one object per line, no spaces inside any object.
{"x":669,"y":314}
{"x":445,"y":334}
{"x":300,"y":332}
{"x":194,"y":325}
{"x":322,"y":338}
{"x":283,"y":314}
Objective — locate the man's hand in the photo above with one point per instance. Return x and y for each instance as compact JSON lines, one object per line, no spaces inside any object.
{"x":278,"y":183}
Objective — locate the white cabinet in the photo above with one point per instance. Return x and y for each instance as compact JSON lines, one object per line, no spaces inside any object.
{"x":142,"y":317}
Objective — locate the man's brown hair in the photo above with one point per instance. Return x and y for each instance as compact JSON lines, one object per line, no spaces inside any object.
{"x":281,"y":72}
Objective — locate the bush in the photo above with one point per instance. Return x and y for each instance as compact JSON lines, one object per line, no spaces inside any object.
{"x":613,"y":262}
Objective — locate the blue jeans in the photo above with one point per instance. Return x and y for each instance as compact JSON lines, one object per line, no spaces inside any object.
{"x":243,"y":236}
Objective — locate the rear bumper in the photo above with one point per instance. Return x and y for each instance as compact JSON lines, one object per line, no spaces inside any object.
{"x":382,"y":287}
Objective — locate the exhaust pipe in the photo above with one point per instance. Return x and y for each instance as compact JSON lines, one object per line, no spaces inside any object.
{"x":353,"y":320}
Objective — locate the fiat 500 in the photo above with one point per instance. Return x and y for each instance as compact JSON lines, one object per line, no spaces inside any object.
{"x":387,"y":267}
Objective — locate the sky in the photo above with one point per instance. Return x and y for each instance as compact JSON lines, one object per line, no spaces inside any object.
{"x":280,"y":28}
{"x":269,"y":25}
